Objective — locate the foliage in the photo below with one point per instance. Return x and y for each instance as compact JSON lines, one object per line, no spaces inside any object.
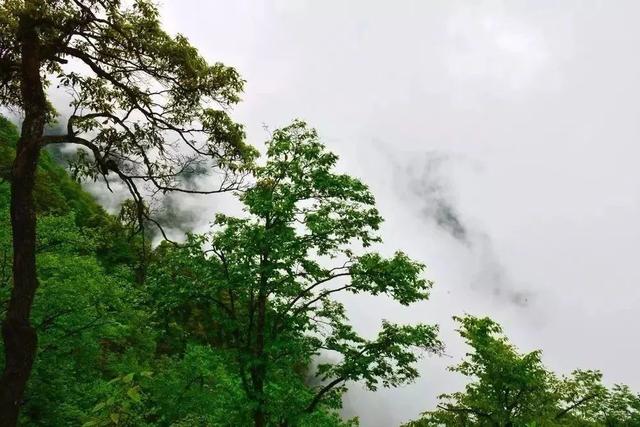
{"x":56,"y":194}
{"x":147,"y":111}
{"x":123,"y":403}
{"x":508,"y":388}
{"x":98,"y":335}
{"x":265,"y":283}
{"x":86,"y":310}
{"x":225,"y":329}
{"x":141,"y":89}
{"x":87,"y":320}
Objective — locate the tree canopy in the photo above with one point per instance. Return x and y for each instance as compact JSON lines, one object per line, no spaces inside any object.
{"x":245,"y":324}
{"x":508,"y":388}
{"x":146,"y":110}
{"x":269,"y":279}
{"x":145,"y":107}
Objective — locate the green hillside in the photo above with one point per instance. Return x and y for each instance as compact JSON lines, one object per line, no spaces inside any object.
{"x":115,"y":349}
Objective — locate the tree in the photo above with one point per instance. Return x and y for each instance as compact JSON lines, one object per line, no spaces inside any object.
{"x":507,"y":388}
{"x":142,"y":110}
{"x":87,"y":324}
{"x":269,"y":279}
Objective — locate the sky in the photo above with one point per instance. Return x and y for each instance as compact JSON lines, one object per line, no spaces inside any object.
{"x":500,"y":140}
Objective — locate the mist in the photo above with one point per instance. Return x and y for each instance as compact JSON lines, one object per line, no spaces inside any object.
{"x":500,"y":140}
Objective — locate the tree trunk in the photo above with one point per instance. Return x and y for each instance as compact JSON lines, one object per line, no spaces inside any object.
{"x":20,"y":339}
{"x":259,"y":370}
{"x":259,"y":417}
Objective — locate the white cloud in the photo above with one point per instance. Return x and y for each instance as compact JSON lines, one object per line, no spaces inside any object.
{"x":540,"y":99}
{"x":489,"y":47}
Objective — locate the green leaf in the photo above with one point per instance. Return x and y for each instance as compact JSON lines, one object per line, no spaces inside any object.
{"x":115,"y":417}
{"x":134,"y":394}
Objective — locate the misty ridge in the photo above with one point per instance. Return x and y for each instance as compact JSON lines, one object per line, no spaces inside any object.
{"x":165,"y":263}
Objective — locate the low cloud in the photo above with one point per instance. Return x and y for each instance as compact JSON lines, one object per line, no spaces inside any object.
{"x":492,"y":276}
{"x":429,"y":189}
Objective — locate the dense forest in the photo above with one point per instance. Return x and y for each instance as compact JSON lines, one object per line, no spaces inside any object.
{"x":107,"y":321}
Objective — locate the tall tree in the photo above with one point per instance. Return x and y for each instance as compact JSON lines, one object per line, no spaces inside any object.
{"x":272,"y":276}
{"x":146,"y":109}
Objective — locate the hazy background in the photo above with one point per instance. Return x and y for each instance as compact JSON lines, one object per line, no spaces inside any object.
{"x":501,"y":141}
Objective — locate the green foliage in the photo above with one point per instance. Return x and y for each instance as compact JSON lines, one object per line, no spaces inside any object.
{"x":264,"y":282}
{"x":224,"y":329}
{"x":122,"y":405}
{"x":140,"y":91}
{"x":86,"y":310}
{"x":57,"y":194}
{"x":100,"y":331}
{"x":87,"y":319}
{"x":508,"y":388}
{"x":199,"y":387}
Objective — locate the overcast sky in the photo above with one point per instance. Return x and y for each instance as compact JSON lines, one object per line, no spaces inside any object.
{"x":501,"y":142}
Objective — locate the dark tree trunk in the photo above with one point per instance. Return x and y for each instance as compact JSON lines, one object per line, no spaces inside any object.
{"x":259,"y":418}
{"x":259,"y":370}
{"x":20,"y":340}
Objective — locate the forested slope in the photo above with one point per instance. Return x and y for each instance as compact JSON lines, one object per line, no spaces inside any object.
{"x":169,"y":336}
{"x":112,"y":350}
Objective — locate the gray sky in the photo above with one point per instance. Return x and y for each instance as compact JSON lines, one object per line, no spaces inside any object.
{"x":501,"y":141}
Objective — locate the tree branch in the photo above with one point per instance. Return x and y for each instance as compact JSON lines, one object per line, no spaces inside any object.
{"x":573,"y":406}
{"x":324,"y":390}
